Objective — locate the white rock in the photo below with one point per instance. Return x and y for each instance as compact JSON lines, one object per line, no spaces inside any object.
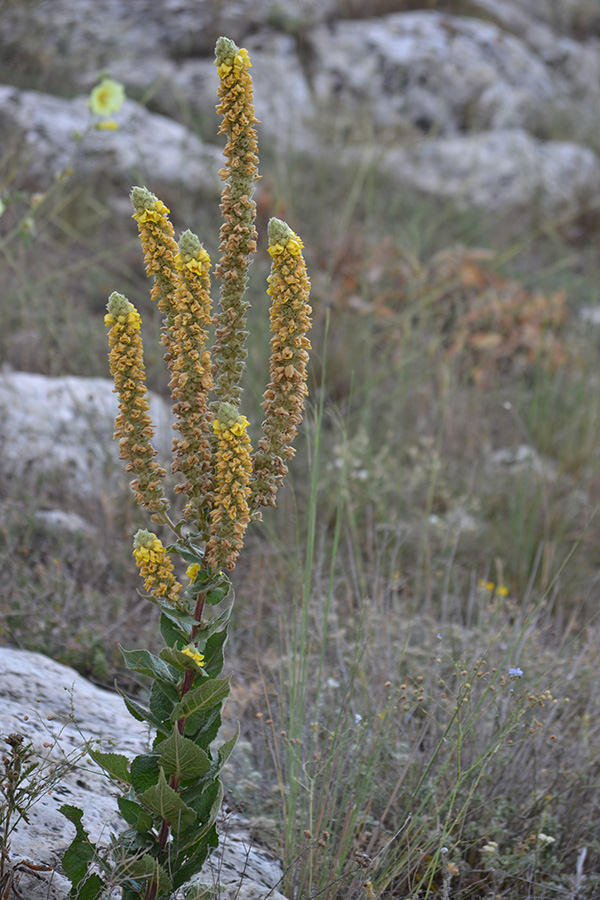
{"x":63,"y":428}
{"x":499,"y":170}
{"x":147,"y":146}
{"x":51,"y":704}
{"x":437,"y":73}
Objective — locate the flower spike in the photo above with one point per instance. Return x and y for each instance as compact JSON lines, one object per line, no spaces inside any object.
{"x":289,"y":289}
{"x":230,"y":514}
{"x":133,"y":425}
{"x":191,"y":377}
{"x":238,"y":234}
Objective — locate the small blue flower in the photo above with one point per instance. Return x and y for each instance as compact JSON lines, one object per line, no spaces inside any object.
{"x":439,"y":636}
{"x":517,"y":672}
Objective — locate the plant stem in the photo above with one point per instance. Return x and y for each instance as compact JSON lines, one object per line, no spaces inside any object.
{"x":188,"y":680}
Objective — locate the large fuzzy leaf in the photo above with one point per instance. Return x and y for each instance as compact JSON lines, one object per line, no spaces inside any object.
{"x":204,"y":697}
{"x":183,"y":758}
{"x":166,"y":803}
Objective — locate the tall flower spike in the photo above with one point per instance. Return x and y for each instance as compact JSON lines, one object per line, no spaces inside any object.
{"x":191,"y":377}
{"x":160,"y":250}
{"x":155,"y":567}
{"x":238,"y":234}
{"x":230,"y":515}
{"x":289,"y":289}
{"x":133,"y":425}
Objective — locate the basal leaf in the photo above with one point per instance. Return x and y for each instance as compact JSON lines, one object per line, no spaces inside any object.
{"x":91,"y":889}
{"x":81,"y":851}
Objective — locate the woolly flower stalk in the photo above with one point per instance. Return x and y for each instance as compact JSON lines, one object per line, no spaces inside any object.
{"x":230,"y":515}
{"x":160,"y":250}
{"x":238,"y":234}
{"x":191,"y":377}
{"x":155,"y":567}
{"x":289,"y":289}
{"x":133,"y":425}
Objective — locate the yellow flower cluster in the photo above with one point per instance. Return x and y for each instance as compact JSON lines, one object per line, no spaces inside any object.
{"x":160,"y":250}
{"x":230,"y":514}
{"x":238,"y":234}
{"x":155,"y":567}
{"x":289,"y":289}
{"x":133,"y":425}
{"x":193,"y":654}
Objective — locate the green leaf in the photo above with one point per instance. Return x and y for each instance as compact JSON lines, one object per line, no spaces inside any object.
{"x":182,"y":873}
{"x":147,"y":664}
{"x":226,"y":749}
{"x":181,"y":660}
{"x":218,"y":593}
{"x":166,"y":803}
{"x":206,"y":806}
{"x":183,"y":758}
{"x":115,"y":764}
{"x":203,"y":728}
{"x":80,"y":852}
{"x":211,"y":693}
{"x":210,"y":626}
{"x":147,"y":868}
{"x":213,"y":653}
{"x":145,"y":770}
{"x":91,"y":889}
{"x":134,"y":814}
{"x":173,"y":631}
{"x":163,"y":698}
{"x":187,"y":552}
{"x":141,"y":713}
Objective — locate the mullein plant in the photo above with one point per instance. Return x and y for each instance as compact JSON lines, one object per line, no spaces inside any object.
{"x":171,"y":795}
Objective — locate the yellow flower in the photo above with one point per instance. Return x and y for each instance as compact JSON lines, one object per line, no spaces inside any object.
{"x":230,"y":515}
{"x":192,"y":571}
{"x":107,"y":97}
{"x":193,"y":654}
{"x":155,"y":566}
{"x":487,"y":585}
{"x":108,"y":125}
{"x":502,"y":590}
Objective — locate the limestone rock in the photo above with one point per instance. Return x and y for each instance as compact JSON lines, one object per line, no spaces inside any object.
{"x":57,"y":710}
{"x":499,"y":170}
{"x":438,"y":74}
{"x":62,"y":429}
{"x":148,"y":147}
